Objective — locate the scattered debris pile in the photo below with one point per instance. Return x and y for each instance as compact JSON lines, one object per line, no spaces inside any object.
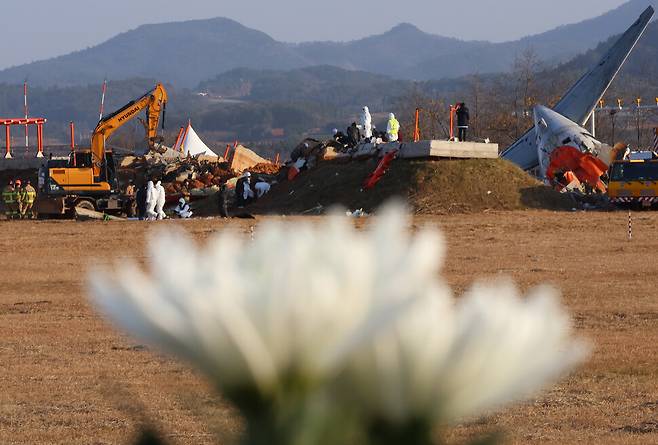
{"x":193,"y":177}
{"x":266,"y":168}
{"x":429,"y":187}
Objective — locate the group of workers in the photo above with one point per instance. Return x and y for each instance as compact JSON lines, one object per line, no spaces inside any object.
{"x":18,"y":199}
{"x":366,"y":131}
{"x":247,"y":189}
{"x":151,"y":199}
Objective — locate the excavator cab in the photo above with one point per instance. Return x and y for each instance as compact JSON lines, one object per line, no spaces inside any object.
{"x":77,"y":175}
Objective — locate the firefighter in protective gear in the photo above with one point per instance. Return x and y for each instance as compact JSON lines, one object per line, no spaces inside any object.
{"x":9,"y":200}
{"x":27,"y":197}
{"x":392,"y":128}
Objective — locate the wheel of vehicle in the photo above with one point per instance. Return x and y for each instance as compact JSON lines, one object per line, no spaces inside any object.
{"x":85,"y":204}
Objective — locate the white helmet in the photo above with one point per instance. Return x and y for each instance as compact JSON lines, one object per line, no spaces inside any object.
{"x":182,"y":200}
{"x":247,"y":175}
{"x":335,"y":131}
{"x":391,"y":116}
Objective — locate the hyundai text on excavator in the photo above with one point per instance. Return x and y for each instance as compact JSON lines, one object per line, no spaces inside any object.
{"x":88,"y":179}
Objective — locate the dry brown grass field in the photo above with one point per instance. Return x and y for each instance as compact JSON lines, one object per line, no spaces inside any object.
{"x":68,"y":377}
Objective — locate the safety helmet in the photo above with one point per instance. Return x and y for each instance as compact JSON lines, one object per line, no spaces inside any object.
{"x":335,"y":130}
{"x":391,"y":116}
{"x":247,"y":175}
{"x":182,"y":200}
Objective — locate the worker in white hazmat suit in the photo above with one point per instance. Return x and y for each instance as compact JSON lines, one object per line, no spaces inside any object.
{"x":262,"y":188}
{"x":160,"y":201}
{"x":151,"y":201}
{"x":183,"y":209}
{"x":366,"y":123}
{"x":392,"y":128}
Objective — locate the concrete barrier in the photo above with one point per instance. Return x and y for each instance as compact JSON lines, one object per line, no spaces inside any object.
{"x":448,"y":149}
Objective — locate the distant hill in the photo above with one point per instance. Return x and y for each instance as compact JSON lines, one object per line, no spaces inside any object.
{"x":555,"y":46}
{"x":186,"y":53}
{"x":182,"y":53}
{"x":321,"y":84}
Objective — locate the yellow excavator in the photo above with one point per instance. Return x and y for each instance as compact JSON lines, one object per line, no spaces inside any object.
{"x":88,"y":178}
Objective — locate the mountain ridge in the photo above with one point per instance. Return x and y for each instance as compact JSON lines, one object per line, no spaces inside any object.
{"x":189,"y":52}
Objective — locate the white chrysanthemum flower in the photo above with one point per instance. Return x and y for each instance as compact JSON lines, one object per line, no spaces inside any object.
{"x":301,"y":303}
{"x":289,"y":305}
{"x":443,"y":362}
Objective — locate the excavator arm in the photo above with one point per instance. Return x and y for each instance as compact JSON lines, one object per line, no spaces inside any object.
{"x":155,"y":102}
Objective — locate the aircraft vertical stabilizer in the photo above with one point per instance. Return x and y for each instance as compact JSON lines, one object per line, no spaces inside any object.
{"x":577,"y":104}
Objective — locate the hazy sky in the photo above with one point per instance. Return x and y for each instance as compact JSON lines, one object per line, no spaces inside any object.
{"x":45,"y":28}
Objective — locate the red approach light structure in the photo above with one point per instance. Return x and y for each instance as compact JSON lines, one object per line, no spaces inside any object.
{"x":8,"y":123}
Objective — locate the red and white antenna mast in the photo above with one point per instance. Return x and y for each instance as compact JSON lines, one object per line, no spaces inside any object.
{"x":27,"y":114}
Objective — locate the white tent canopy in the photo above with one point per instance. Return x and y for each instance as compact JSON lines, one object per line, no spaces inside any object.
{"x":191,"y":144}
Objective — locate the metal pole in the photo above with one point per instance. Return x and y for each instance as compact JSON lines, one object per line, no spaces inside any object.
{"x":27,"y":137}
{"x":7,"y":142}
{"x":72,"y":126}
{"x":452,"y":122}
{"x":638,"y":128}
{"x":39,"y":140}
{"x":417,"y":126}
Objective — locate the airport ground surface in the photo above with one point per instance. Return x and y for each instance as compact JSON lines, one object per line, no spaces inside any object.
{"x":67,"y":377}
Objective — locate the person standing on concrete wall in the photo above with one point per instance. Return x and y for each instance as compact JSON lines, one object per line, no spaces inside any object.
{"x":463,"y":120}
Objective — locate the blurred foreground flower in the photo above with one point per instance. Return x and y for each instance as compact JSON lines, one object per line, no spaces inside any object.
{"x":441,"y":362}
{"x":271,"y":320}
{"x":304,"y":310}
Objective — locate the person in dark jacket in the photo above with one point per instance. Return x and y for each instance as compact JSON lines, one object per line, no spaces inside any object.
{"x":244,"y":194}
{"x":340,"y":137}
{"x":224,"y":196}
{"x":353,"y":135}
{"x":140,"y":200}
{"x":463,"y":119}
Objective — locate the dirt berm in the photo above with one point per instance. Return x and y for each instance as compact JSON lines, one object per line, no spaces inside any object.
{"x":429,"y":187}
